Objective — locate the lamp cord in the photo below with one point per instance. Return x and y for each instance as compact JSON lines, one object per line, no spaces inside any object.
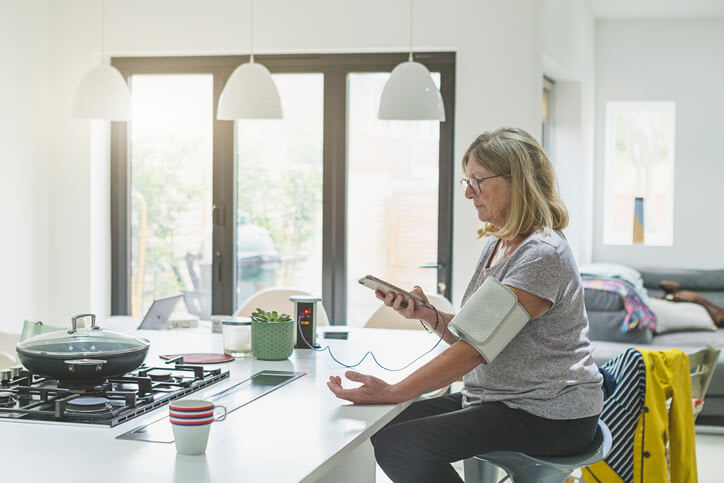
{"x":370,"y":353}
{"x":251,"y":31}
{"x":410,"y":57}
{"x":103,"y":31}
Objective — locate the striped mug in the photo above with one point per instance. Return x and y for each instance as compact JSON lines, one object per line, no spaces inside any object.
{"x":191,"y":421}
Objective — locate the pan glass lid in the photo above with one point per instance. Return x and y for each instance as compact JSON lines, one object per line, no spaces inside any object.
{"x":83,"y":340}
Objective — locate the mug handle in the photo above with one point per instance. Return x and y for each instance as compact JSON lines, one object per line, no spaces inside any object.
{"x":223,"y":416}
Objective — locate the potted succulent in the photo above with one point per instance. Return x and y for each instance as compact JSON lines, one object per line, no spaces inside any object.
{"x":272,"y":335}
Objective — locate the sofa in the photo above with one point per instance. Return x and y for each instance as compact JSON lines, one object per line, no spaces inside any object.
{"x":606,"y":311}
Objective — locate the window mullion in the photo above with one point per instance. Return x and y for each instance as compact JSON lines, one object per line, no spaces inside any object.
{"x":224,"y":201}
{"x":334,"y":264}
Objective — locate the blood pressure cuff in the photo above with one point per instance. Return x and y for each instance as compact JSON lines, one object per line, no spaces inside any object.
{"x":490,"y":319}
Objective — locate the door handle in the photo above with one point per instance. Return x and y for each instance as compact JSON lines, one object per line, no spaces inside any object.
{"x":217,"y":265}
{"x":438,"y":265}
{"x":218,"y":215}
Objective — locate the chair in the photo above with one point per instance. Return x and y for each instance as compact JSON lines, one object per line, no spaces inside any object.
{"x":197,"y":297}
{"x":620,"y":407}
{"x":6,"y":360}
{"x":277,"y":299}
{"x":386,"y":318}
{"x":7,"y":349}
{"x":702,"y":364}
{"x":8,"y":342}
{"x":522,"y":468}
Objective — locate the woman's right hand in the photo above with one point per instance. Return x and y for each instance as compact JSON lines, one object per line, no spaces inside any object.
{"x":412,"y":309}
{"x":408,"y":307}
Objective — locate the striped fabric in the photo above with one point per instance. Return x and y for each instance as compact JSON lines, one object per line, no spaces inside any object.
{"x":621,"y":411}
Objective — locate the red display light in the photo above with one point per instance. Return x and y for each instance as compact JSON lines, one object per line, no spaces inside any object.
{"x":306,"y":311}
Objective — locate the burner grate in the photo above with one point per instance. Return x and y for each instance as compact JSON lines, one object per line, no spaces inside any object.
{"x":34,"y":398}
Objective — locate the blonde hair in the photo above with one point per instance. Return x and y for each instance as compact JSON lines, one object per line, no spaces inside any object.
{"x":535,"y":202}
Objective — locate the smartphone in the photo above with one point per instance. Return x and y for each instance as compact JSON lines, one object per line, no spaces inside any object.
{"x":376,"y":284}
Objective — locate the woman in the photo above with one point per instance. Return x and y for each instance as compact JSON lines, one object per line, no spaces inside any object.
{"x":542,"y":394}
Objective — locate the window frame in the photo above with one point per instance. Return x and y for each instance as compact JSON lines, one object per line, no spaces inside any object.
{"x":612,"y":108}
{"x":335,"y":68}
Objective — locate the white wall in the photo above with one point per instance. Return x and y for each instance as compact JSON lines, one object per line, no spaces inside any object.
{"x":23,"y":162}
{"x":568,"y":47}
{"x":680,"y":61}
{"x":74,"y":48}
{"x":498,"y":83}
{"x":54,"y":185}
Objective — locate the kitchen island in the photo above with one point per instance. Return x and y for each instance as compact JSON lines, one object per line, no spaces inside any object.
{"x":298,"y":432}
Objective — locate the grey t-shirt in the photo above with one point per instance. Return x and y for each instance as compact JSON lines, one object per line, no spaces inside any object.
{"x":547,"y":369}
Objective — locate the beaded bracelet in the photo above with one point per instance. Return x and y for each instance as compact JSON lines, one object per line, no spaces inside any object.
{"x":437,"y":321}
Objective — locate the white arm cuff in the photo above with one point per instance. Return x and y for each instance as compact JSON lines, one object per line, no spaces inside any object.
{"x":490,"y":319}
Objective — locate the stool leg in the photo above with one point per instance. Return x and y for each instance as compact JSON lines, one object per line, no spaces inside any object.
{"x":478,"y":471}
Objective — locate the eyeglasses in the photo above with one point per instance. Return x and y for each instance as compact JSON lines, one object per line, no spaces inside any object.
{"x":475,"y":183}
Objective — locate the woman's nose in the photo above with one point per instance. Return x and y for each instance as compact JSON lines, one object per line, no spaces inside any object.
{"x":469,"y":192}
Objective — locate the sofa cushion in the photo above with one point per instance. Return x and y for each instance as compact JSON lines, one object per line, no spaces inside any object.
{"x":606,"y":325}
{"x":680,"y":316}
{"x":697,"y":280}
{"x":709,"y":283}
{"x":601,"y":300}
{"x":692,"y":339}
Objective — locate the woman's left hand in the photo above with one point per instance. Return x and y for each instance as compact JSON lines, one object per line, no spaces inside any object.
{"x":372,"y":391}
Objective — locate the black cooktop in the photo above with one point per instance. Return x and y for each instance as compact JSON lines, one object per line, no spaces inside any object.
{"x":29,"y":397}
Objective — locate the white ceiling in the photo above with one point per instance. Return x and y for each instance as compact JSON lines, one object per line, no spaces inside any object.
{"x":658,"y":8}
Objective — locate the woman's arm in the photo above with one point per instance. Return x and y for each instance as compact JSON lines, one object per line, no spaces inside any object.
{"x":441,"y":329}
{"x":534,"y":305}
{"x":457,"y":360}
{"x":415,"y":310}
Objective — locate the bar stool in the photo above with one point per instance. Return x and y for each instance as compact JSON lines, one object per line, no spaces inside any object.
{"x":522,"y":468}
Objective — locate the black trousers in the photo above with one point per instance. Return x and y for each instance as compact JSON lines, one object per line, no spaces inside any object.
{"x":421,"y":442}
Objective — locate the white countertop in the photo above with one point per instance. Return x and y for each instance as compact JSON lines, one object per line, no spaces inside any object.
{"x":288,"y":435}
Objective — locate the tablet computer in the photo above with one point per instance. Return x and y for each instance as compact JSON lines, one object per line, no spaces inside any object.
{"x":159,"y":313}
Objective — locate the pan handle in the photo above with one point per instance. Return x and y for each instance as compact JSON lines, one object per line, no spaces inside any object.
{"x":74,"y":321}
{"x":72,"y":363}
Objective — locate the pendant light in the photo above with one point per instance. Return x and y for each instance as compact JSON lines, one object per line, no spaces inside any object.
{"x":410,"y":93}
{"x":250,"y":92}
{"x":103,"y":92}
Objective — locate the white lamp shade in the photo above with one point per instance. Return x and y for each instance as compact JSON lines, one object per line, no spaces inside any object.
{"x":102,"y":94}
{"x":250,"y":93}
{"x":411,"y":95}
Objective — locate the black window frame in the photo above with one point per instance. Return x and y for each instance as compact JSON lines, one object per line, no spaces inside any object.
{"x":335,"y":68}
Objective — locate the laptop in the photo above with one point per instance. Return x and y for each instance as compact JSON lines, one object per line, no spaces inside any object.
{"x":159,"y":313}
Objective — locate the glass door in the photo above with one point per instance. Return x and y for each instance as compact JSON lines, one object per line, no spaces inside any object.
{"x":393,"y":172}
{"x":171,"y":139}
{"x":279,"y":192}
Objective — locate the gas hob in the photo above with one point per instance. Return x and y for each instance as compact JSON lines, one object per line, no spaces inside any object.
{"x":29,"y":397}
